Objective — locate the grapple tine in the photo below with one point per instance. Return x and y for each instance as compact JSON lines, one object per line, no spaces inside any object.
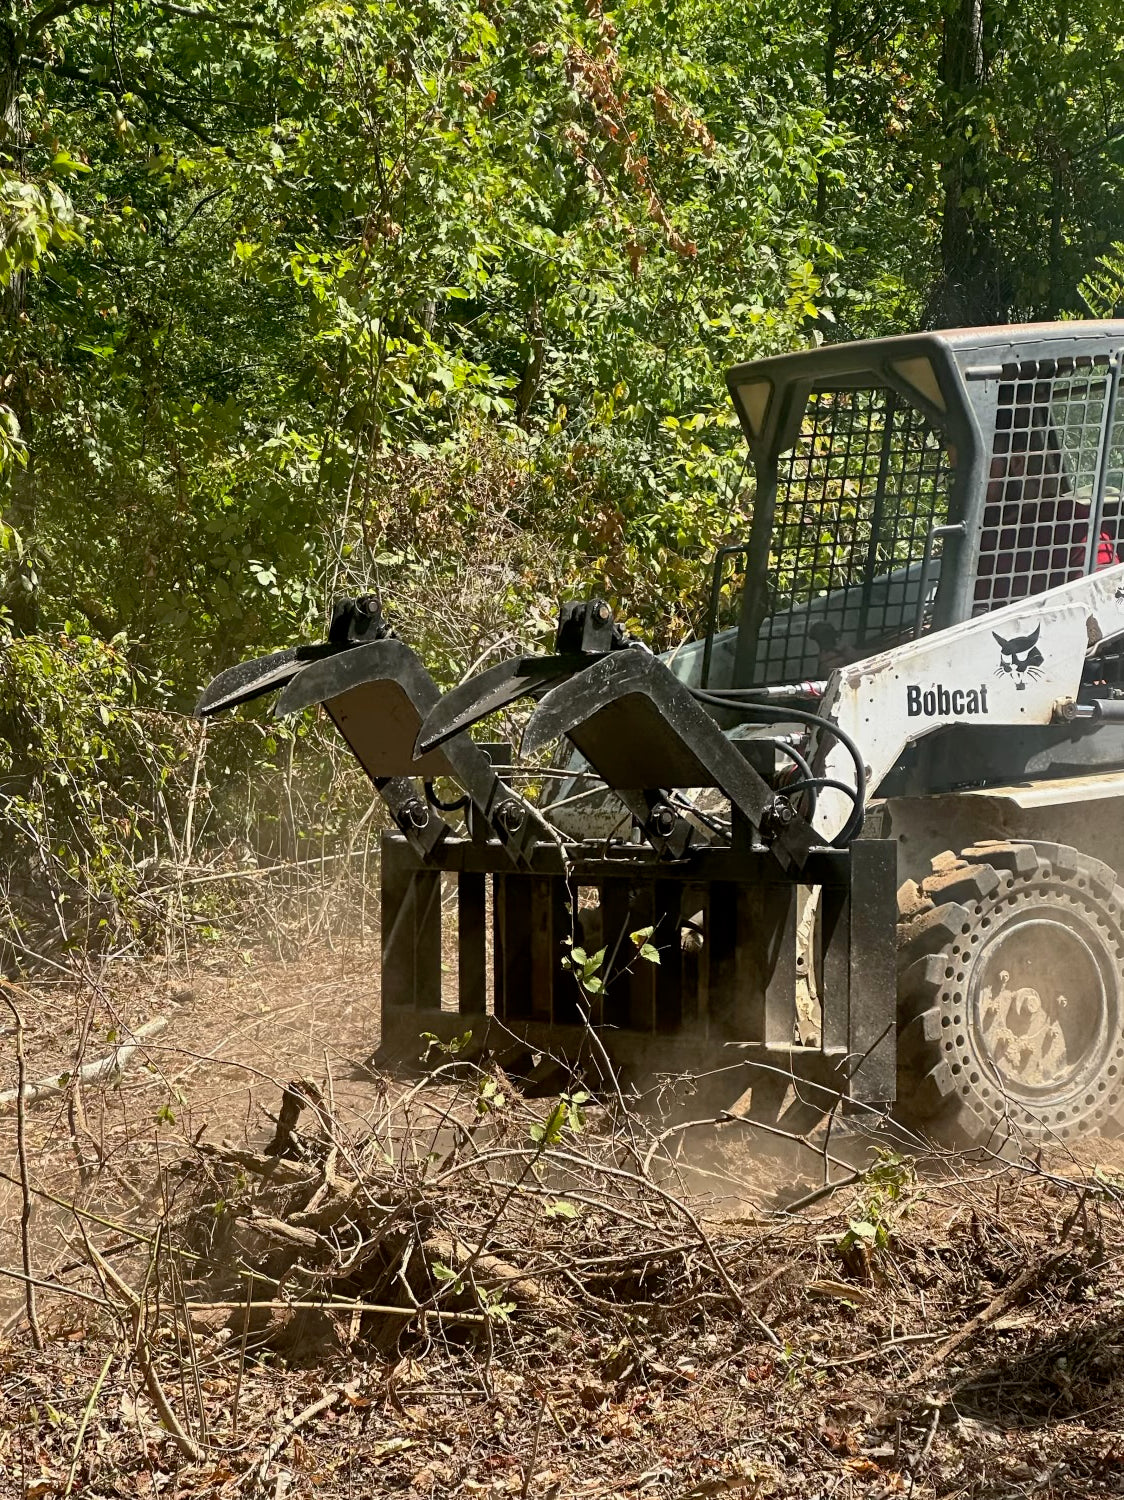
{"x":376,"y":694}
{"x":641,"y":730}
{"x":258,"y":676}
{"x":586,"y":632}
{"x":475,"y":699}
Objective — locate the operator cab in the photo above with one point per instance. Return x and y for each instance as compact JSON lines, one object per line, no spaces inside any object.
{"x":909,"y":483}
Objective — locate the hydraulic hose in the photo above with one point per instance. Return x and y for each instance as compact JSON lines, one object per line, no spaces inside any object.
{"x":734,"y":699}
{"x":792,"y":787}
{"x":458,"y":804}
{"x":810,"y":780}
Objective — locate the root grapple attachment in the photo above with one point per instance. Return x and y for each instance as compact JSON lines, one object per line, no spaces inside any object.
{"x":692,"y":929}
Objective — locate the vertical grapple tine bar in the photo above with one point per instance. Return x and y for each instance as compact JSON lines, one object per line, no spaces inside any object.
{"x":779,"y":911}
{"x":396,"y":923}
{"x":691,"y":969}
{"x":426,"y":897}
{"x":753,"y":960}
{"x":669,"y":970}
{"x":720,"y":958}
{"x":642,"y":975}
{"x":472,"y":968}
{"x":615,"y":926}
{"x":542,"y":960}
{"x":513,"y":906}
{"x":873,"y":1038}
{"x":411,"y":929}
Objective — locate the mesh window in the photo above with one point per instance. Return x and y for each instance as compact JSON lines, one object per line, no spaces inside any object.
{"x":1041,"y":488}
{"x":1110,"y":536}
{"x":1105,"y":668}
{"x":856,"y":498}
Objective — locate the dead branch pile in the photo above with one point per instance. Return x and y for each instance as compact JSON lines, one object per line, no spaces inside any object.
{"x":477,"y":1293}
{"x":469,"y":1208}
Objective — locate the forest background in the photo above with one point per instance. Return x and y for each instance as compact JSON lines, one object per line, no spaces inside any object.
{"x":436,"y":299}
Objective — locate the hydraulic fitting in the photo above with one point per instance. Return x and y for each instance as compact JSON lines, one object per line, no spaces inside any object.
{"x":663,"y":820}
{"x":413,"y":814}
{"x":510,"y":816}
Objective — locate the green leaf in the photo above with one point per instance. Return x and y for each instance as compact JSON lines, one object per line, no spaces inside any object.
{"x":862,"y":1229}
{"x":550,"y":1130}
{"x":64,"y":163}
{"x":561,"y":1208}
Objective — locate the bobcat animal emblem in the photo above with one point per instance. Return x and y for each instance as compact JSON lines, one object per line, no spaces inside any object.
{"x":1019,"y":657}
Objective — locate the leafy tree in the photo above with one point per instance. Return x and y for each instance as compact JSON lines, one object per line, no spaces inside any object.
{"x":306,"y":296}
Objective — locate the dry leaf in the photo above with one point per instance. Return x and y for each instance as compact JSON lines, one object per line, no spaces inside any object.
{"x":392,"y":1445}
{"x":844,"y":1290}
{"x":861,"y":1466}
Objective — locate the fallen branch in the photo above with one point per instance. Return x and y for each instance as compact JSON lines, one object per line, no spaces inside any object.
{"x":340,"y":1305}
{"x":257,"y":1474}
{"x":1004,"y":1299}
{"x":274,"y":1167}
{"x":271,"y":1226}
{"x":819,"y":1194}
{"x":101,"y":1071}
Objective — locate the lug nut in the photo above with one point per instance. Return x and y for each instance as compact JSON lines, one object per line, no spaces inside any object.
{"x":413,"y":814}
{"x":601,"y":611}
{"x":663,"y":820}
{"x":510,"y":816}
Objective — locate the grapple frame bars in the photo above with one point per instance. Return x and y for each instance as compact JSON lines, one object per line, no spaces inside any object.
{"x":730,"y":1001}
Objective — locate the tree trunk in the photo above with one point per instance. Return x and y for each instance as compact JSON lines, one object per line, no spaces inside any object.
{"x":969,"y":286}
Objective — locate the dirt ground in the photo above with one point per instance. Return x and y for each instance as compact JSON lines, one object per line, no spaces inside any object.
{"x":937,"y":1327}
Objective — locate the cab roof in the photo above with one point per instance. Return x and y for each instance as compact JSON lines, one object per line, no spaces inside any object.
{"x":931,"y":369}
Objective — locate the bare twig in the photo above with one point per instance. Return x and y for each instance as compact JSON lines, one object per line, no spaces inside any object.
{"x":532,"y":1461}
{"x":1003,"y":1299}
{"x":187,"y":1444}
{"x":85,"y":1422}
{"x":52,"y":1286}
{"x":350,"y":1391}
{"x":241,"y":1359}
{"x":25,"y":1175}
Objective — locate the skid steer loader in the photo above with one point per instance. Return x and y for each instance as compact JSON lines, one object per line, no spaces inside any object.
{"x":868,"y":834}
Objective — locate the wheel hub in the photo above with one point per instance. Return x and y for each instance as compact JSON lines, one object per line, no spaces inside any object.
{"x":1040,"y":1001}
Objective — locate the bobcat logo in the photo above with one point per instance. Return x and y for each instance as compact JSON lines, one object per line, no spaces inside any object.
{"x":1019,"y":658}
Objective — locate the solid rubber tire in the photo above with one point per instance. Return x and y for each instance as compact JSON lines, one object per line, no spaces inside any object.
{"x":947,"y":1088}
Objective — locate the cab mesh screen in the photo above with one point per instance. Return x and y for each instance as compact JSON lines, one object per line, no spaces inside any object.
{"x":1041,"y":526}
{"x":856,"y":498}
